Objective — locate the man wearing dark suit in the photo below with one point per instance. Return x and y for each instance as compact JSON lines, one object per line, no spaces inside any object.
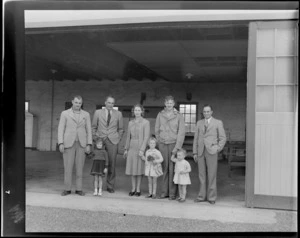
{"x":74,"y":139}
{"x":209,"y":139}
{"x":108,"y":124}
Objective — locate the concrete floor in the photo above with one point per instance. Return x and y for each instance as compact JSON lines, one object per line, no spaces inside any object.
{"x":44,"y":173}
{"x":48,"y":211}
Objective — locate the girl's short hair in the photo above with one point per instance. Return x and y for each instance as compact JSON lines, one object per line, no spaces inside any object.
{"x":98,"y":140}
{"x":182,"y":151}
{"x":152,"y":139}
{"x":140,"y":106}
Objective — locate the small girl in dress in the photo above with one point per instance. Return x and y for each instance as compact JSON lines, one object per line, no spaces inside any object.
{"x":153,"y":169}
{"x":100,"y":164}
{"x":181,"y":176}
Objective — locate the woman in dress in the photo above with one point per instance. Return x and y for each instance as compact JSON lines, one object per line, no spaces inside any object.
{"x":138,"y":134}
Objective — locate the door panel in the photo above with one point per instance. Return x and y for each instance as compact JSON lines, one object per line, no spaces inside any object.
{"x":273,"y":99}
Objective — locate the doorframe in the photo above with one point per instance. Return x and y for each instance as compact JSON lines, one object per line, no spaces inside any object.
{"x":252,"y":199}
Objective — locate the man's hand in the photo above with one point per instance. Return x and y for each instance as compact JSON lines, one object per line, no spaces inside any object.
{"x":88,"y":149}
{"x":105,"y":170}
{"x":61,"y":148}
{"x":195,"y":158}
{"x":125,"y":154}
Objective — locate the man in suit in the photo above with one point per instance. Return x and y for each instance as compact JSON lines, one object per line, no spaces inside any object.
{"x":108,"y":124}
{"x":74,"y":139}
{"x":209,"y":139}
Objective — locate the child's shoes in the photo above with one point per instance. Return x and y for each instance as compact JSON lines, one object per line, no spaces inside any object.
{"x":95,"y":192}
{"x":100,"y":192}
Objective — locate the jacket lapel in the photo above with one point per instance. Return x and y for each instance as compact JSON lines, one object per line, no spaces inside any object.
{"x":71,"y":114}
{"x":210,"y":124}
{"x":103,"y":115}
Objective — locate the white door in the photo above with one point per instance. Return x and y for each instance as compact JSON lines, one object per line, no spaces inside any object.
{"x":272,"y":112}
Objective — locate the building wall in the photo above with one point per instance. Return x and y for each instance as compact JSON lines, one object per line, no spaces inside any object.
{"x":228,"y":101}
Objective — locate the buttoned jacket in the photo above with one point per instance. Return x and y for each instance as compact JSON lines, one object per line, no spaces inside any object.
{"x":114,"y":131}
{"x":214,"y":138}
{"x":69,"y":128}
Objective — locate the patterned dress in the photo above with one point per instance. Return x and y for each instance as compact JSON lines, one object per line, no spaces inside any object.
{"x":137,"y":137}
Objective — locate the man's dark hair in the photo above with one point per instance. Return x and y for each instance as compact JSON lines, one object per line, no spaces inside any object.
{"x":208,"y":105}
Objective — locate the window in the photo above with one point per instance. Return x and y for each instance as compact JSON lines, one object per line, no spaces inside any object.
{"x":101,"y":107}
{"x":26,"y":106}
{"x":189,"y":112}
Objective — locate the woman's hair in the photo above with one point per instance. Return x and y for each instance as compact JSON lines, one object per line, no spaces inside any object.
{"x":182,"y":151}
{"x":140,"y":106}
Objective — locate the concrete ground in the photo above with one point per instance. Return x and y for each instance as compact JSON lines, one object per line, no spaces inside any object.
{"x":47,"y":211}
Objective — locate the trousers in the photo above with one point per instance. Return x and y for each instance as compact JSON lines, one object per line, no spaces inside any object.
{"x":207,"y":168}
{"x":112,"y":151}
{"x":74,"y":154}
{"x":168,"y":186}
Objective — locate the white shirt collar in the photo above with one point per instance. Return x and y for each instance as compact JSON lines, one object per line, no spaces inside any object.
{"x":208,"y":120}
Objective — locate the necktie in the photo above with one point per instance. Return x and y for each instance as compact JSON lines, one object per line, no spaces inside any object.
{"x":206,"y":125}
{"x":108,"y":117}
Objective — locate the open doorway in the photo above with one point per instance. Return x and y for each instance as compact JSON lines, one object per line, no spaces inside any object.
{"x":196,"y":62}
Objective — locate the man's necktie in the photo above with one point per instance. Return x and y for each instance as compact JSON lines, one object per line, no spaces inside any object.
{"x":108,"y":117}
{"x":206,"y":125}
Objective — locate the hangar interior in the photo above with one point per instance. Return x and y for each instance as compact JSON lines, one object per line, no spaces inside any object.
{"x":196,"y":62}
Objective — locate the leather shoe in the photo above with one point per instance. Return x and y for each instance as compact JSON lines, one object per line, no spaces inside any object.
{"x":137,"y":194}
{"x":65,"y":193}
{"x":131,"y":193}
{"x":172,"y":198}
{"x":181,"y":200}
{"x":80,"y":193}
{"x":163,"y":196}
{"x":198,"y":200}
{"x":148,"y":196}
{"x":212,"y":202}
{"x":110,"y":190}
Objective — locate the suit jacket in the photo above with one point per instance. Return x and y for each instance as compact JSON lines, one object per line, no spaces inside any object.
{"x":114,"y":131}
{"x":69,"y":128}
{"x":213,"y":139}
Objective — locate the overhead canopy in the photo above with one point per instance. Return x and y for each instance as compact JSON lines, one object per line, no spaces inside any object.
{"x":81,"y":45}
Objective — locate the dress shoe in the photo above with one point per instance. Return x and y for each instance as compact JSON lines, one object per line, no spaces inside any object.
{"x":172,"y":198}
{"x":212,"y":202}
{"x":137,"y":194}
{"x":65,"y":193}
{"x":80,"y":193}
{"x":110,"y":190}
{"x":131,"y":193}
{"x":148,"y":196}
{"x":163,"y":196}
{"x":177,"y":199}
{"x":198,"y":200}
{"x":181,"y":200}
{"x":153,"y":196}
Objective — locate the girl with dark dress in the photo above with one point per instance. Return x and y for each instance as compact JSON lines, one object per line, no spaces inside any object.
{"x":100,"y":164}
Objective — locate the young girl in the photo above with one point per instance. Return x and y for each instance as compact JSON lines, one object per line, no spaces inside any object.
{"x":100,"y":165}
{"x":181,"y":176}
{"x":153,"y":169}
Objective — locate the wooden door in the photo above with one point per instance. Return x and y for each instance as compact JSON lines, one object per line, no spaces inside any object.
{"x":272,"y":112}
